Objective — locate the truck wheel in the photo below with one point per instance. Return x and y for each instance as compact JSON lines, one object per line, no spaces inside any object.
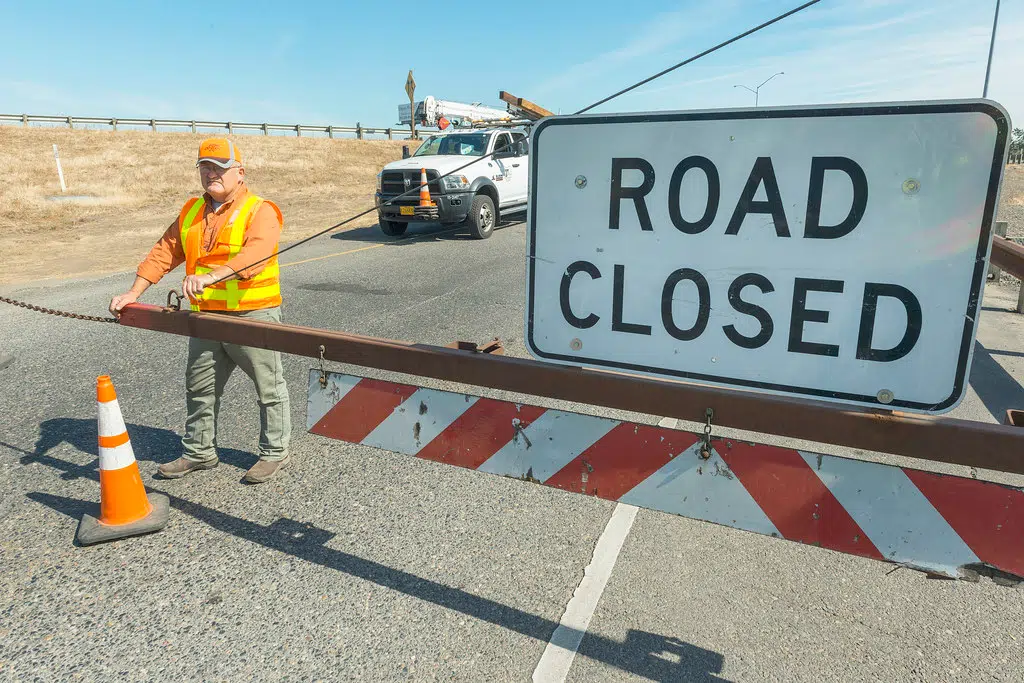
{"x":393,"y":228}
{"x":481,"y":217}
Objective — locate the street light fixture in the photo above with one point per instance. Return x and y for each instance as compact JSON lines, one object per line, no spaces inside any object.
{"x":758,"y":88}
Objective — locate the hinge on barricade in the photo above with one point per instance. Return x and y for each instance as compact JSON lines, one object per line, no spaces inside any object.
{"x":176,"y":306}
{"x":705,"y":447}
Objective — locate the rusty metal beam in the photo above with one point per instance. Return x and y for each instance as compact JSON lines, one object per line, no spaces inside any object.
{"x":1008,"y":255}
{"x":962,"y":442}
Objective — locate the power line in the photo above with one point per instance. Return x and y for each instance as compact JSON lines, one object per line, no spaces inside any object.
{"x":581,"y":111}
{"x":702,"y":54}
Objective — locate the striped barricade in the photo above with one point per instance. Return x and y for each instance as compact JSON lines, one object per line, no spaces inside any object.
{"x":940,"y":524}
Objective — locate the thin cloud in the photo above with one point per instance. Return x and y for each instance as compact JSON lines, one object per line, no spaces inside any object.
{"x":932,"y":54}
{"x":663,"y":32}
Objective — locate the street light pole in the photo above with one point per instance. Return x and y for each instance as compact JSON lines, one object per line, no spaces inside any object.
{"x":757,"y":90}
{"x":991,"y":48}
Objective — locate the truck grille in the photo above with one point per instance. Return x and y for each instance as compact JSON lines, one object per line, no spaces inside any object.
{"x":393,"y":183}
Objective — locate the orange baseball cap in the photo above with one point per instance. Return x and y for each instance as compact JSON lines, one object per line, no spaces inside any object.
{"x":219,"y":151}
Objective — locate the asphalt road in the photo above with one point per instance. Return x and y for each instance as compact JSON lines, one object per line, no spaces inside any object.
{"x":362,"y":564}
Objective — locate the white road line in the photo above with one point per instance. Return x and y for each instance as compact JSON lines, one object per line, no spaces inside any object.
{"x":560,"y":652}
{"x":557,"y":659}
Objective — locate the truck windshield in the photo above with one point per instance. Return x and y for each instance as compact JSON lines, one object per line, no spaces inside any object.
{"x":469,"y":144}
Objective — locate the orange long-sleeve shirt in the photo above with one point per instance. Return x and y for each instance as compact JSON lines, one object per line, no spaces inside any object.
{"x":261,"y":238}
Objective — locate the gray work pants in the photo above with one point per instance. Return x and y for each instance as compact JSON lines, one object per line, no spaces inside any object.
{"x":210,"y":364}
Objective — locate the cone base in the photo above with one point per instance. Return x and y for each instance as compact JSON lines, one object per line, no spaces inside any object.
{"x":91,"y":530}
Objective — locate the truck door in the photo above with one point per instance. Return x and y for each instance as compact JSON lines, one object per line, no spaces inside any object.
{"x":518,"y":165}
{"x":501,"y":172}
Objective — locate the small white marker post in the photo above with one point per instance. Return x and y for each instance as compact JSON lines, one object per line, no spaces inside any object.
{"x":60,"y":171}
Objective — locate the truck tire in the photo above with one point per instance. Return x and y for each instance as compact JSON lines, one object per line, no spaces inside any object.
{"x":393,"y":228}
{"x":482,"y":217}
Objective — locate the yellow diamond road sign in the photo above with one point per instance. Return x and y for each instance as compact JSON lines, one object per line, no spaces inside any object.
{"x":410,"y":84}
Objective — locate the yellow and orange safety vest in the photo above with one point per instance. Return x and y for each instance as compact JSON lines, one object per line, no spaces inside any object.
{"x":261,"y":291}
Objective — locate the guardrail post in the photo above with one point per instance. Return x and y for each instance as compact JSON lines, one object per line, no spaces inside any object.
{"x":359,"y":131}
{"x":113,"y":124}
{"x":995,"y":271}
{"x":230,"y":129}
{"x":24,"y":119}
{"x":264,"y":127}
{"x":298,"y":131}
{"x":152,"y":124}
{"x":330,"y":132}
{"x":389,"y":134}
{"x":71,"y":123}
{"x":193,"y":126}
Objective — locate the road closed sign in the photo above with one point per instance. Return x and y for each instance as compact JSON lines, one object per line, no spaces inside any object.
{"x":834,"y":253}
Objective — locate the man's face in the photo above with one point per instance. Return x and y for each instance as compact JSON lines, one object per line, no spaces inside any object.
{"x":220,"y":182}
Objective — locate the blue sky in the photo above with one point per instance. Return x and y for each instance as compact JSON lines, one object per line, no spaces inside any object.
{"x":343,"y":62}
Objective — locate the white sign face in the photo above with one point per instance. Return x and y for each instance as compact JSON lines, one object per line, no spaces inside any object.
{"x":835,"y":253}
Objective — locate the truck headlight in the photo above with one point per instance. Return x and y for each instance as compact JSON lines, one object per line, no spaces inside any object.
{"x":455,"y":182}
{"x":378,"y":180}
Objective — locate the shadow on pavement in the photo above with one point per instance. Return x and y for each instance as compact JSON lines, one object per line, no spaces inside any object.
{"x":652,"y":656}
{"x":996,"y":387}
{"x":148,"y":443}
{"x":1002,"y":352}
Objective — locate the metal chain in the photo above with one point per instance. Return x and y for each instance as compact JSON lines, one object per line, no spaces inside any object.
{"x":705,"y":447}
{"x":53,"y":311}
{"x":323,"y":371}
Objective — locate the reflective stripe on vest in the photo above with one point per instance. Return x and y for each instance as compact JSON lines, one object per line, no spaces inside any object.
{"x":261,"y":291}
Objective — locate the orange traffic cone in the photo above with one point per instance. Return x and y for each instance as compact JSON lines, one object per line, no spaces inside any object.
{"x":125,"y":507}
{"x":424,"y":189}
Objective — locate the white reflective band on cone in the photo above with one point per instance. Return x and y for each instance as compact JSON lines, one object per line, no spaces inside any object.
{"x":117,"y":457}
{"x":110,"y":421}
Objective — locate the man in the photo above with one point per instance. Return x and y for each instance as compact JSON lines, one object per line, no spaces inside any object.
{"x":219,"y":237}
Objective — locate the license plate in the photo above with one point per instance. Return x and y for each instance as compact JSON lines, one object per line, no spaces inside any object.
{"x":406,"y":210}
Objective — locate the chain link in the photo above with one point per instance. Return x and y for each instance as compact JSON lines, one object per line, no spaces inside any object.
{"x":62,"y":314}
{"x":705,"y":447}
{"x":323,"y":371}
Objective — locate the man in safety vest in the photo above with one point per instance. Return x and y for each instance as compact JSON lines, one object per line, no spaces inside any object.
{"x":219,"y":236}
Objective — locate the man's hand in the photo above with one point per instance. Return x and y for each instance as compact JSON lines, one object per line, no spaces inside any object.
{"x":122,"y":300}
{"x":193,"y":285}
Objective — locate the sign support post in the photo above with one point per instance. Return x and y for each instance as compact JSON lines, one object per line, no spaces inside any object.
{"x":410,"y":88}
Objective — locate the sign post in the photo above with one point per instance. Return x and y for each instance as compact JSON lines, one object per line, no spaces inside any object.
{"x":835,"y":253}
{"x":410,"y":88}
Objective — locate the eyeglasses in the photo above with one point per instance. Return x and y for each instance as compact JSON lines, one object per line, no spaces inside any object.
{"x":213,"y":169}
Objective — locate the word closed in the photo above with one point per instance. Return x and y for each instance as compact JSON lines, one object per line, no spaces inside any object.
{"x":835,"y":253}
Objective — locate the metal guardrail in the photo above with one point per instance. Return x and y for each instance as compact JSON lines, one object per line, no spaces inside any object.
{"x":231,"y":127}
{"x":1009,"y":256}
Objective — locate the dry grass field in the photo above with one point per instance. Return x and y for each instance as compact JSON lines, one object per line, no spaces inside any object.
{"x":131,"y":184}
{"x":126,"y":187}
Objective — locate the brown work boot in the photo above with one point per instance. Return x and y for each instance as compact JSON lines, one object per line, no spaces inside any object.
{"x":266,"y":470}
{"x":182,"y":466}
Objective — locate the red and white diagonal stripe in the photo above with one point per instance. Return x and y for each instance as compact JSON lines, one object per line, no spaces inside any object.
{"x":933,"y":522}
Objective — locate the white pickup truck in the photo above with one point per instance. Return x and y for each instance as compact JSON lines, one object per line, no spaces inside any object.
{"x":477,"y":195}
